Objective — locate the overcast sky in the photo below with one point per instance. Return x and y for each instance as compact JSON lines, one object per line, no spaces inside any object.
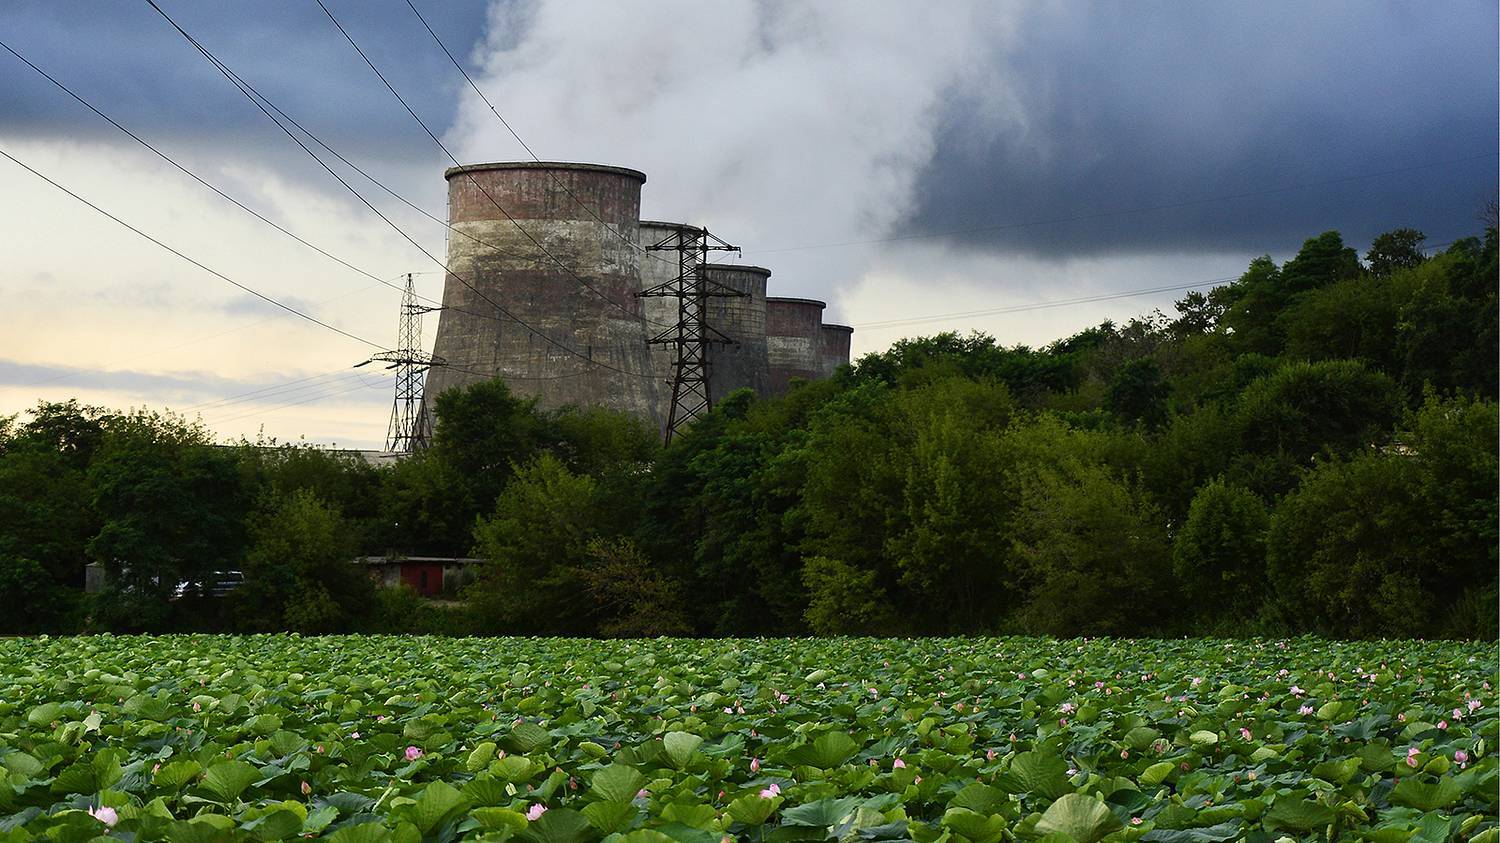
{"x":901,"y":161}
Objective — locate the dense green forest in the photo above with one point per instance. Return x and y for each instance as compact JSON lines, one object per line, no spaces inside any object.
{"x":1311,"y":448}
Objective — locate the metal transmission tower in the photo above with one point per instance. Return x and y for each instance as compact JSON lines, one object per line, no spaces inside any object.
{"x":692,"y":334}
{"x":408,"y":430}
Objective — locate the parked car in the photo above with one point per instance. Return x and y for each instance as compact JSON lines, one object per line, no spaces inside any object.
{"x":214,"y":584}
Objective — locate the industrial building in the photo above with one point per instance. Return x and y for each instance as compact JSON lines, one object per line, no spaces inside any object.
{"x":546,"y":264}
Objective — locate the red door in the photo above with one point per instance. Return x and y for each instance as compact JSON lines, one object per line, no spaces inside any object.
{"x":425,"y":578}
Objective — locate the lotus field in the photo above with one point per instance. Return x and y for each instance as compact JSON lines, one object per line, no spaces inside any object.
{"x":203,"y":738}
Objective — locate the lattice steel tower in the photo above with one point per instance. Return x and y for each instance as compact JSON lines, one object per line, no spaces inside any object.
{"x":408,"y":429}
{"x":692,"y":334}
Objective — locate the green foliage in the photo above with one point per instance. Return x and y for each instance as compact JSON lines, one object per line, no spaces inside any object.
{"x":380,"y":738}
{"x":536,"y":544}
{"x":1092,"y":553}
{"x":1308,"y":448}
{"x":1219,"y":556}
{"x":170,"y":506}
{"x":299,"y":573}
{"x":633,"y":597}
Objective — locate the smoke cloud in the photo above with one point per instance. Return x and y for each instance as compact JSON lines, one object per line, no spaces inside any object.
{"x":775,"y":124}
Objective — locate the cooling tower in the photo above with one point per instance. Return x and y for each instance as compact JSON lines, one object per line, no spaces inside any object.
{"x":835,"y":347}
{"x":584,"y":337}
{"x":794,"y":340}
{"x":742,"y":319}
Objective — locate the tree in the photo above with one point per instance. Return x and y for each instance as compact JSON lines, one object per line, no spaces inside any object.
{"x":1197,"y":313}
{"x":1093,"y":552}
{"x":535,"y":544}
{"x":171,"y":508}
{"x":1138,"y":393}
{"x":1347,"y":550}
{"x":845,"y":600}
{"x":300,"y":573}
{"x":1219,"y":556}
{"x":1400,"y":248}
{"x":1302,"y":409}
{"x":634,"y":599}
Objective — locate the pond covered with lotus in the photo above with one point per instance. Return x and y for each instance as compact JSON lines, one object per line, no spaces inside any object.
{"x":204,"y":738}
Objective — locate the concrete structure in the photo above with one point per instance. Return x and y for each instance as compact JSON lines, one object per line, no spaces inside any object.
{"x":835,"y":347}
{"x":794,"y":340}
{"x":561,"y":247}
{"x":742,"y":319}
{"x":558,"y":221}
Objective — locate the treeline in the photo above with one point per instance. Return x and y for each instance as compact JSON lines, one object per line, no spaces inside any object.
{"x":1311,"y":448}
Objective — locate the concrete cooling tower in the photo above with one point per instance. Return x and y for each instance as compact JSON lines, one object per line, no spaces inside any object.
{"x":794,"y":340}
{"x":743,"y":320}
{"x":546,"y":261}
{"x":835,"y":347}
{"x":561,"y":257}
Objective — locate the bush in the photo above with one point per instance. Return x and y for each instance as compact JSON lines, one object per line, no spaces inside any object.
{"x":1219,"y":557}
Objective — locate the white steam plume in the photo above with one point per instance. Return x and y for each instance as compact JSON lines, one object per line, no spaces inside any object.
{"x":775,"y":123}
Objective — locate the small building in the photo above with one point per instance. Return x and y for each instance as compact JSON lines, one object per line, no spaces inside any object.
{"x":429,"y":576}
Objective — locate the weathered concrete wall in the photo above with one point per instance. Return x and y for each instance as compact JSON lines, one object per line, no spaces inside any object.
{"x":835,"y":347}
{"x":742,"y":319}
{"x":491,"y":262}
{"x":794,"y":340}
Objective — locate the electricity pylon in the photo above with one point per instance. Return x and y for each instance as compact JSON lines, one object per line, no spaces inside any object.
{"x":692,"y":335}
{"x":408,"y":429}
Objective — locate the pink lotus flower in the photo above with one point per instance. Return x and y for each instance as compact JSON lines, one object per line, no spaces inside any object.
{"x":105,"y":814}
{"x":1062,"y":722}
{"x":1124,"y":753}
{"x":197,"y":706}
{"x":1067,"y":708}
{"x":306,"y":788}
{"x":413,"y":753}
{"x":642,"y":793}
{"x":1244,"y":733}
{"x":755,"y":765}
{"x":770,"y":791}
{"x":1135,"y":820}
{"x":1458,"y":714}
{"x":1098,"y":684}
{"x":354,"y":735}
{"x":1442,"y":724}
{"x":1297,"y":692}
{"x":1197,"y":680}
{"x":1474,"y":705}
{"x":535,"y":812}
{"x":990,"y":755}
{"x":1304,"y":710}
{"x":898,"y":764}
{"x":917,"y":780}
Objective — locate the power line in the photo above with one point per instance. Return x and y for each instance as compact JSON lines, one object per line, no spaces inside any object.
{"x":466,"y":172}
{"x":1125,"y":211}
{"x":217,"y":190}
{"x":221,"y":276}
{"x":1043,"y":305}
{"x":319,"y":397}
{"x":189,"y":173}
{"x":256,"y":98}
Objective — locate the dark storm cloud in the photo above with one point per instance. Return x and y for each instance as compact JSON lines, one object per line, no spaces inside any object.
{"x":1137,"y":105}
{"x":128,"y":61}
